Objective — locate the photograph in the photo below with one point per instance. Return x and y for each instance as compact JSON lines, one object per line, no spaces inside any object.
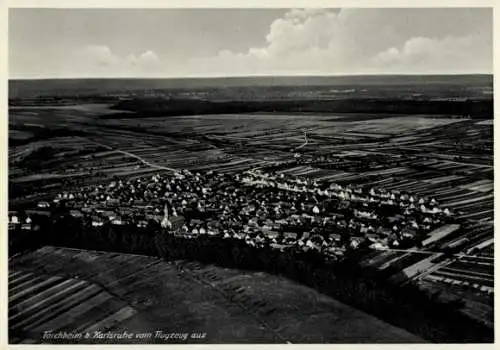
{"x":250,"y":175}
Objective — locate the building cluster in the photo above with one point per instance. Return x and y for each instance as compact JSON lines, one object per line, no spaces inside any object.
{"x":20,"y":221}
{"x":259,"y":208}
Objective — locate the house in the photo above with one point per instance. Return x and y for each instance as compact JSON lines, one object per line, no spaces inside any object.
{"x":338,"y":252}
{"x":354,"y":242}
{"x":267,"y":228}
{"x":157,"y":218}
{"x":97,"y":221}
{"x":384,"y":231}
{"x":142,"y":223}
{"x":315,"y":210}
{"x":125,"y":211}
{"x":110,"y":215}
{"x":214,"y":232}
{"x":372,"y":237}
{"x":76,"y":213}
{"x":13,"y":218}
{"x":272,"y":234}
{"x":408,"y":233}
{"x":117,"y":221}
{"x":335,"y":237}
{"x":290,"y":235}
{"x":113,"y":201}
{"x":378,"y":246}
{"x":436,"y":210}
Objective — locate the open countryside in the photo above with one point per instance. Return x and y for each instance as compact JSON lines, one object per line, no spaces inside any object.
{"x":130,"y":193}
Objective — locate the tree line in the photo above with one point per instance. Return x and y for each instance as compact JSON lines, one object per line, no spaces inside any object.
{"x":160,"y":107}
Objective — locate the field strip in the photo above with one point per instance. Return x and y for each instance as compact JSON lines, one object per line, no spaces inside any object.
{"x":485,"y":243}
{"x":17,"y":280}
{"x":466,"y":277}
{"x":72,"y":314}
{"x":15,"y":273}
{"x":37,"y":286}
{"x":15,"y":289}
{"x":61,"y":306}
{"x":468,"y":201}
{"x":468,"y":272}
{"x":119,"y":316}
{"x":118,"y":280}
{"x":196,"y":277}
{"x":128,"y":278}
{"x":474,"y":214}
{"x":390,"y":262}
{"x":40,"y":301}
{"x":39,"y":296}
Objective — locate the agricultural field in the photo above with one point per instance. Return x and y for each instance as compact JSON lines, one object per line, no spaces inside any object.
{"x":61,"y":288}
{"x":447,"y":158}
{"x":444,"y":157}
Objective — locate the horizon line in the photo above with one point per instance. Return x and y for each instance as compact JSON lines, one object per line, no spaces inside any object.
{"x":252,"y":76}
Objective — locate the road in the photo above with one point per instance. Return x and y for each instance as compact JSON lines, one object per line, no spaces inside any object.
{"x":142,"y":160}
{"x":305,"y":143}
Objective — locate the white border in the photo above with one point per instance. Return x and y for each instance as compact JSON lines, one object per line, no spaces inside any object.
{"x":5,"y":4}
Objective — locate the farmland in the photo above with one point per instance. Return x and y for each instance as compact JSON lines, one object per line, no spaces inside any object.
{"x":65,"y":146}
{"x":81,"y":291}
{"x":448,"y":158}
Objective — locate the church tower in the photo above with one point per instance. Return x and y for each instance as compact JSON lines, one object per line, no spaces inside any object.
{"x":165,"y":223}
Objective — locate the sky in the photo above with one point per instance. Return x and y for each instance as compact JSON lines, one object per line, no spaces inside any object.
{"x":84,"y":43}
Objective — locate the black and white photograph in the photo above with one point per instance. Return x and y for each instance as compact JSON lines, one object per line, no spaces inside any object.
{"x":250,"y":175}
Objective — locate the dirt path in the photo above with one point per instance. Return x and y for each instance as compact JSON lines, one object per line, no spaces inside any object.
{"x":144,"y":161}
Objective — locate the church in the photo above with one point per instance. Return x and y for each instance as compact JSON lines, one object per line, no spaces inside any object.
{"x":173,"y":222}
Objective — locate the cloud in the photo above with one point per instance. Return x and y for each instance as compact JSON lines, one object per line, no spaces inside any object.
{"x":437,"y":55}
{"x":321,"y":41}
{"x":366,"y":41}
{"x":100,"y":55}
{"x":100,"y":60}
{"x":148,"y":59}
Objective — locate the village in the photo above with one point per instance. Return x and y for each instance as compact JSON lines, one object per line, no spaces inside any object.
{"x":257,"y":207}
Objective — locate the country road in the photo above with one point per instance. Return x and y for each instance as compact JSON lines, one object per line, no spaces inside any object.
{"x":144,"y":161}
